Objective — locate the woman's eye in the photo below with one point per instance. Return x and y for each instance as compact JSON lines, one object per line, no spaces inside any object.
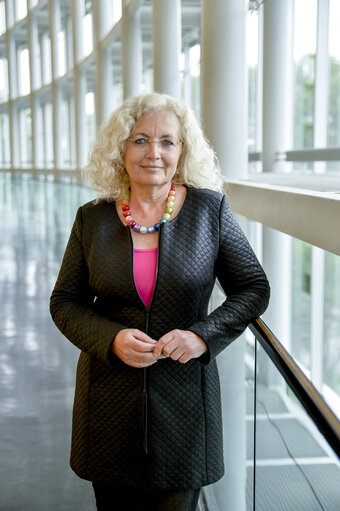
{"x":140,"y":141}
{"x":167,"y":143}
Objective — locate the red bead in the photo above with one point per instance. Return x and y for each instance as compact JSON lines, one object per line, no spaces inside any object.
{"x":125,"y":207}
{"x":132,"y":223}
{"x":126,"y":213}
{"x":125,"y":202}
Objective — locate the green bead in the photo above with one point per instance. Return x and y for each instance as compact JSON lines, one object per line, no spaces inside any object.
{"x":166,"y":216}
{"x":169,"y":210}
{"x":171,"y":199}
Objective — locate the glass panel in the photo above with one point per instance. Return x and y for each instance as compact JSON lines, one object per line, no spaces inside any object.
{"x":87,"y":28}
{"x":2,"y":17}
{"x":61,"y":53}
{"x":334,"y":79}
{"x":24,"y":72}
{"x":90,"y":117}
{"x":20,"y":9}
{"x":252,"y":58}
{"x":25,"y":137}
{"x":195,"y":70}
{"x":66,"y":132}
{"x":4,"y":141}
{"x":301,"y":302}
{"x":116,"y":10}
{"x":332,"y":325}
{"x":295,"y":467}
{"x":3,"y":80}
{"x":45,"y":58}
{"x":304,"y":56}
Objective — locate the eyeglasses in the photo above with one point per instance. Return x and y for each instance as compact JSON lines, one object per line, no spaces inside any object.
{"x":139,"y":143}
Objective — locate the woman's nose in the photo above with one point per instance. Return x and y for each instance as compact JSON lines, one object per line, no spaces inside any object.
{"x":153,"y":149}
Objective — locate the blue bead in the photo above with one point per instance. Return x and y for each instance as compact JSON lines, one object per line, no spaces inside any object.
{"x":156,"y":227}
{"x":163,"y":221}
{"x":151,"y":229}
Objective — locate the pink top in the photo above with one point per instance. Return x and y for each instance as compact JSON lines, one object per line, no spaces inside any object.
{"x":144,"y":272}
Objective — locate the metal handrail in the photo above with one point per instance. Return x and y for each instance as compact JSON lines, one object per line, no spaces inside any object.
{"x":314,"y":404}
{"x":302,"y":155}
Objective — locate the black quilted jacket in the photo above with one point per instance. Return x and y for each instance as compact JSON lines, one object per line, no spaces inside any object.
{"x":160,"y":426}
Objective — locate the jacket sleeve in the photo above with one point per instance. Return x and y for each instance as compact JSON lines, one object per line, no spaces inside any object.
{"x":244,"y":283}
{"x":72,"y":303}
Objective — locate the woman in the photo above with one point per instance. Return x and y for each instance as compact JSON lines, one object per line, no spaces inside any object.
{"x":132,"y":295}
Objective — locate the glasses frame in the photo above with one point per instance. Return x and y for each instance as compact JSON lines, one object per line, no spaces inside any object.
{"x":146,"y":145}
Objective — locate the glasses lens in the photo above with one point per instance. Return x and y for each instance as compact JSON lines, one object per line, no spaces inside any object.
{"x":141,"y":144}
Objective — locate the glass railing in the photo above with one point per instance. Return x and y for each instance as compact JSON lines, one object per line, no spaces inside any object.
{"x":293,"y":436}
{"x":288,"y":438}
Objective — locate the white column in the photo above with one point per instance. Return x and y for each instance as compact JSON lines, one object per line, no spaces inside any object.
{"x":12,"y":93}
{"x":14,"y":139}
{"x":277,"y":126}
{"x":131,"y":47}
{"x":54,"y":25}
{"x":33,"y":43}
{"x":224,"y":82}
{"x":12,"y":66}
{"x":166,"y":32}
{"x":9,"y":11}
{"x":224,"y":119}
{"x":77,"y":13}
{"x":79,"y":85}
{"x":54,"y":28}
{"x":102,"y":87}
{"x":277,"y":75}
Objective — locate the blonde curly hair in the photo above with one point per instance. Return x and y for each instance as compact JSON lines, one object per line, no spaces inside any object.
{"x":198,"y":165}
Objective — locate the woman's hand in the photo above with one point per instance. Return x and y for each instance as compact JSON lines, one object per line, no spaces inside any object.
{"x":181,"y":345}
{"x":134,"y":347}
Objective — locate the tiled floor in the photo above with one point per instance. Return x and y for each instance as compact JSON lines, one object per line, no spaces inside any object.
{"x":37,"y":364}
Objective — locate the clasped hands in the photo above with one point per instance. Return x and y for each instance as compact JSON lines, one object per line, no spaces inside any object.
{"x":137,"y":349}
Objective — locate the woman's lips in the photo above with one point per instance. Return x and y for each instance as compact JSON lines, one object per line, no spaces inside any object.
{"x":151,"y":167}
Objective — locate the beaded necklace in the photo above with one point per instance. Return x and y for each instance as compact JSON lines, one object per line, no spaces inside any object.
{"x":152,"y":228}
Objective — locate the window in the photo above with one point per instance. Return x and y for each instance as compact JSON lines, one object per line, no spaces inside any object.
{"x":20,"y":9}
{"x":90,"y":117}
{"x":190,"y":69}
{"x":2,"y":17}
{"x":331,"y":361}
{"x":4,"y":141}
{"x":24,"y":86}
{"x":301,"y":302}
{"x":45,"y":58}
{"x":66,"y":131}
{"x":333,"y":127}
{"x":253,"y":88}
{"x":116,"y":6}
{"x":25,"y":127}
{"x":87,"y":29}
{"x":304,"y":59}
{"x":3,"y":80}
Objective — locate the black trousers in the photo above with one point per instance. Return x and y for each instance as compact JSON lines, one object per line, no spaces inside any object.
{"x":110,"y":498}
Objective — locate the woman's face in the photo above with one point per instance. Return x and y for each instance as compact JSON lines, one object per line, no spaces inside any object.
{"x":153,"y":149}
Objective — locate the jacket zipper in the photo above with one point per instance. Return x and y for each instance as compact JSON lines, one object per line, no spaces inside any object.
{"x":144,"y":389}
{"x":145,"y":396}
